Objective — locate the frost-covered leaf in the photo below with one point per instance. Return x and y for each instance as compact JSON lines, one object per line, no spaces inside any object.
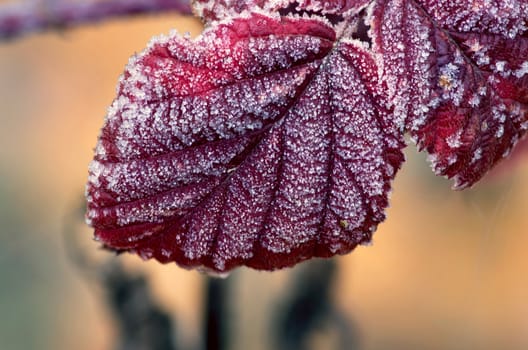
{"x":274,"y":136}
{"x":254,"y":144}
{"x":457,"y":74}
{"x":332,"y":7}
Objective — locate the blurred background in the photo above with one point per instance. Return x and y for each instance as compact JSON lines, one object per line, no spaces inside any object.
{"x":447,"y":270}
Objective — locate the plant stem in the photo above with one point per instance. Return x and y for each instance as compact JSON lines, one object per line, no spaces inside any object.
{"x":21,"y":19}
{"x":217,"y":314}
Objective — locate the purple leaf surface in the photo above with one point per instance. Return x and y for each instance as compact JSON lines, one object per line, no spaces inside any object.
{"x":274,"y":136}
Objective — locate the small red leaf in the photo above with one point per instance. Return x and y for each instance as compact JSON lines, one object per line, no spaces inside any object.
{"x":462,"y":94}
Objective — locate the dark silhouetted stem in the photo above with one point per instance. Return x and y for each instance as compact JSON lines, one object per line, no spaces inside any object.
{"x":216,"y":320}
{"x":309,"y":308}
{"x":142,"y":323}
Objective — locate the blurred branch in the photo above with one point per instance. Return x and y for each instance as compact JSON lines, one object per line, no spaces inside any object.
{"x":143,"y":325}
{"x":309,"y":308}
{"x":30,"y":16}
{"x":216,"y":333}
{"x":141,"y":322}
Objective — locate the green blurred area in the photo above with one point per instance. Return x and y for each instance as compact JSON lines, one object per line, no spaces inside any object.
{"x":25,"y":269}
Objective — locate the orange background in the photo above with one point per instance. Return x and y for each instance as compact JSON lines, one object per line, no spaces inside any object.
{"x":446,"y":271}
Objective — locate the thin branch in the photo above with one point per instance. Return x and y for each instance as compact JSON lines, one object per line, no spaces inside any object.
{"x":29,"y":17}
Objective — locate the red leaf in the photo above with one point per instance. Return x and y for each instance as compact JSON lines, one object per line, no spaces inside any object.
{"x":274,"y":136}
{"x":458,"y":77}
